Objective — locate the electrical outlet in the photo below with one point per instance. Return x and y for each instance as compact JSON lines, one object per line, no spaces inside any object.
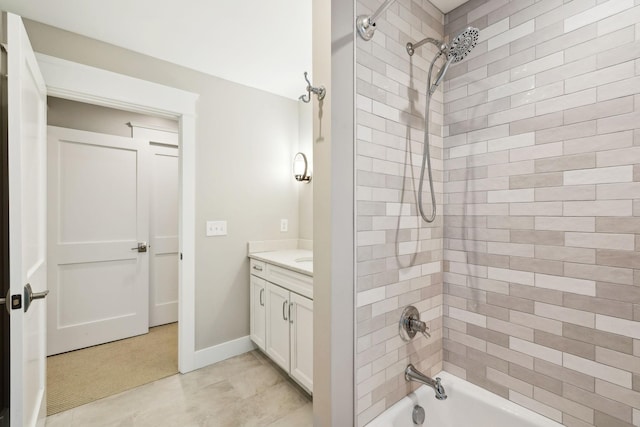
{"x":216,"y":228}
{"x":284,"y":225}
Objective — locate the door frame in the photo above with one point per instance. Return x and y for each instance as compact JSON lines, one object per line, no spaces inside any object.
{"x":79,"y":82}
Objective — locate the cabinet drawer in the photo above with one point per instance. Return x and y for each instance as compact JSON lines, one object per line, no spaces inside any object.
{"x":258,"y":268}
{"x":294,"y":281}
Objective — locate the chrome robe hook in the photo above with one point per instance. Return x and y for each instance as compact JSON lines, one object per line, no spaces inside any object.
{"x":320,"y":91}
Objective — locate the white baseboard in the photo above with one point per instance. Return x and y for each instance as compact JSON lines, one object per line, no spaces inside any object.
{"x":210,"y":355}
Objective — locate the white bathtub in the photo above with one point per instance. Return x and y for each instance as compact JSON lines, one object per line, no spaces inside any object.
{"x":466,"y":405}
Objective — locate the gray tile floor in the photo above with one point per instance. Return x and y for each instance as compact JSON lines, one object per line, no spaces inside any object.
{"x":247,"y":390}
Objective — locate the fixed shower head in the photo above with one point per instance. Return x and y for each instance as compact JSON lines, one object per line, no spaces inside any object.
{"x":462,"y":44}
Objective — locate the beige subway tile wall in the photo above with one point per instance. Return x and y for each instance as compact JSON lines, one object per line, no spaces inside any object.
{"x":399,"y":256}
{"x":542,"y":203}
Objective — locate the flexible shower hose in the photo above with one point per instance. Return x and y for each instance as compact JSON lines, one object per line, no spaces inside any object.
{"x":426,"y":154}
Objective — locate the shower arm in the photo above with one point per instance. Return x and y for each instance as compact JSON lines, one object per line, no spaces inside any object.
{"x":411,"y":47}
{"x":366,"y":25}
{"x":374,"y":17}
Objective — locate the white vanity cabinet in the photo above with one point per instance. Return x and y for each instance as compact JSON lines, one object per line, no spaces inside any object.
{"x":257,"y":301}
{"x":282,"y":317}
{"x":301,"y":333}
{"x":258,"y":298}
{"x":278,"y":345}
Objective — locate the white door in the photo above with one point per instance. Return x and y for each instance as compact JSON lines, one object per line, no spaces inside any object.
{"x":278,"y":325}
{"x":99,"y":216}
{"x":302,"y":340}
{"x":163,"y":253}
{"x":27,"y":147}
{"x":257,"y":315}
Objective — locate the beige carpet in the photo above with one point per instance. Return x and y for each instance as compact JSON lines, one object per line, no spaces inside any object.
{"x":82,"y":376}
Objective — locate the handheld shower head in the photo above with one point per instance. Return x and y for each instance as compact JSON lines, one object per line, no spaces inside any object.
{"x":441,"y":74}
{"x":457,"y":51}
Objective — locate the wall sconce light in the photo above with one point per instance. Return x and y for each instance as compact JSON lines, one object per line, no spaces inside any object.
{"x":300,"y":168}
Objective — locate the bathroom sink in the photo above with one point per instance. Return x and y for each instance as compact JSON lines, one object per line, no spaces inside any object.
{"x":304,"y":259}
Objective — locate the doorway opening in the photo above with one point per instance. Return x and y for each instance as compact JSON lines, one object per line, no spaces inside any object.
{"x":112,"y":253}
{"x":70,"y":80}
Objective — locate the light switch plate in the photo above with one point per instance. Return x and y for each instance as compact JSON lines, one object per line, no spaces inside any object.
{"x":216,"y":228}
{"x":284,"y":225}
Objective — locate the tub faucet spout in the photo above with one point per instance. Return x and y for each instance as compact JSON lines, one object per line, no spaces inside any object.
{"x":412,"y":374}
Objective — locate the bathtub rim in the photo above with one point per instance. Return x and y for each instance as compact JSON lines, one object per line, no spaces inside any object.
{"x":450,"y":381}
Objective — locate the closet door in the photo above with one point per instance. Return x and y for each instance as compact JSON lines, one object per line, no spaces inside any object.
{"x":163,"y":252}
{"x":278,"y":325}
{"x":163,"y":221}
{"x":98,"y":229}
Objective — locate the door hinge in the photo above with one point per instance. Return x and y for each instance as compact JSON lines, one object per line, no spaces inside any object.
{"x":180,"y":256}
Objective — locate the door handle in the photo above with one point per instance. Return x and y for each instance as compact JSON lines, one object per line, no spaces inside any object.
{"x":142,"y":247}
{"x":30,"y":296}
{"x":284,"y":306}
{"x":261,"y":294}
{"x":290,"y":318}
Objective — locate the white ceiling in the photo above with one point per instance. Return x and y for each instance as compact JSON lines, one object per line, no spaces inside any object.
{"x":447,"y":6}
{"x":258,"y":43}
{"x":264,"y":44}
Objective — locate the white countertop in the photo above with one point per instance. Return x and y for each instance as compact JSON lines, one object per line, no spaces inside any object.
{"x":300,"y":260}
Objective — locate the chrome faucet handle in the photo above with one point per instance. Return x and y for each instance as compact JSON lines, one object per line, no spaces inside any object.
{"x":410,"y":324}
{"x":419,"y":326}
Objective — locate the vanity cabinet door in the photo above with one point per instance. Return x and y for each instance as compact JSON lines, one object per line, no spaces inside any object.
{"x":278,"y":325}
{"x":302,"y":340}
{"x":258,"y":313}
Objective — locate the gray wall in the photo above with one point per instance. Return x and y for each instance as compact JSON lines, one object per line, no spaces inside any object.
{"x":94,"y":118}
{"x":542,"y":270}
{"x":246,"y":139}
{"x":399,"y":256}
{"x":305,"y":191}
